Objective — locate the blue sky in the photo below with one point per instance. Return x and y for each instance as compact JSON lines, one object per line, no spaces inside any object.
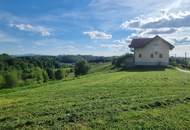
{"x":96,"y":27}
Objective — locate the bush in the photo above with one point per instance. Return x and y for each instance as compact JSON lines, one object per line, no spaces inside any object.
{"x":38,"y":74}
{"x":81,"y":68}
{"x":11,"y":79}
{"x":59,"y":74}
{"x":2,"y":81}
{"x":123,"y":61}
{"x":173,"y":62}
{"x":51,"y":74}
{"x":66,"y":71}
{"x":45,"y":76}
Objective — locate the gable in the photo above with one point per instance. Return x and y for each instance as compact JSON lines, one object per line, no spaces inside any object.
{"x":163,"y":41}
{"x":156,"y":44}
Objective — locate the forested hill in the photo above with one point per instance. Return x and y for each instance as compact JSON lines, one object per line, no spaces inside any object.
{"x":68,"y":58}
{"x":22,"y":70}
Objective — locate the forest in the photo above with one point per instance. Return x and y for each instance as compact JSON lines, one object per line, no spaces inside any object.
{"x":24,"y":70}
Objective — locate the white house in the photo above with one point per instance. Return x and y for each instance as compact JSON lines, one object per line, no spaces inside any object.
{"x":151,"y":51}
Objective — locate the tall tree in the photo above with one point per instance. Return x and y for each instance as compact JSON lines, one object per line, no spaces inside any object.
{"x":81,"y":68}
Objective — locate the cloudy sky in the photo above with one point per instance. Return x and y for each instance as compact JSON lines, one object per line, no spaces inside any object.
{"x":96,"y":27}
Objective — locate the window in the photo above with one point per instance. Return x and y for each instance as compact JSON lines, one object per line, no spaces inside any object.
{"x":152,"y":55}
{"x":161,"y":56}
{"x":140,"y":55}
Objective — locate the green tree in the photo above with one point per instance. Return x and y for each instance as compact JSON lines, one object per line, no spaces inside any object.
{"x":45,"y":76}
{"x":59,"y":74}
{"x":81,"y":68}
{"x":11,"y":79}
{"x":173,"y":61}
{"x":2,"y":81}
{"x":51,"y":74}
{"x":123,"y":61}
{"x":38,"y":74}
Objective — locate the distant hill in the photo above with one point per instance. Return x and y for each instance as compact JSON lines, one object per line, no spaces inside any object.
{"x":69,"y":58}
{"x":75,"y":58}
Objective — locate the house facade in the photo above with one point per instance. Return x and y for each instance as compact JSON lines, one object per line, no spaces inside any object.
{"x":151,"y":51}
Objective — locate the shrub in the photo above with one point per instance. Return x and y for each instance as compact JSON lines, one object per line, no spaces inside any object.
{"x":81,"y":68}
{"x":51,"y":74}
{"x":2,"y":81}
{"x":66,"y":71}
{"x":11,"y":79}
{"x":173,"y":61}
{"x":59,"y":74}
{"x":45,"y":76}
{"x":123,"y":61}
{"x":38,"y":74}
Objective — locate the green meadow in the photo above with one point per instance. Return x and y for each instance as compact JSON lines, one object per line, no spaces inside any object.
{"x":103,"y":99}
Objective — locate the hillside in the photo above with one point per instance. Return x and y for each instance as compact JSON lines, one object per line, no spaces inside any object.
{"x":115,"y":100}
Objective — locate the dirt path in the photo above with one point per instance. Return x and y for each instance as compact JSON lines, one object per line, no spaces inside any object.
{"x":185,"y":71}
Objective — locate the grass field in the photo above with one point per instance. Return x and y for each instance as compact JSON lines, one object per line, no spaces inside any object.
{"x":103,"y":100}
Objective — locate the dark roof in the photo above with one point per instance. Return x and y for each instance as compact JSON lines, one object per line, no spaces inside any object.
{"x":141,"y":42}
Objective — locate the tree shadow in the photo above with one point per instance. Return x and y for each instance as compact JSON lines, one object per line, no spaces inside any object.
{"x":146,"y":68}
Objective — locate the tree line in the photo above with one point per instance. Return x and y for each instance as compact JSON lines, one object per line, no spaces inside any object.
{"x":18,"y":71}
{"x":180,"y":62}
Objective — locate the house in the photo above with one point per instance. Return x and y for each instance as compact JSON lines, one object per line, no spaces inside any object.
{"x":151,"y":51}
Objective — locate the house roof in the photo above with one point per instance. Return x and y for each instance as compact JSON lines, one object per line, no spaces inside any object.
{"x":141,"y":42}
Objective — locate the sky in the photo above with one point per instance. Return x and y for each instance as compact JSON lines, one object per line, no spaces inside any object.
{"x":91,"y":27}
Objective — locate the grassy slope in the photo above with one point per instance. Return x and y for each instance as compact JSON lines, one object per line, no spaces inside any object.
{"x":119,"y":100}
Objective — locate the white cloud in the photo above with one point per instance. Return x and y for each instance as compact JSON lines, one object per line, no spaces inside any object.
{"x":108,"y":15}
{"x":161,"y":31}
{"x":175,"y":20}
{"x":173,"y":35}
{"x":181,"y":40}
{"x":118,"y":46}
{"x":35,"y":29}
{"x":112,"y":46}
{"x":98,"y":35}
{"x":173,"y":26}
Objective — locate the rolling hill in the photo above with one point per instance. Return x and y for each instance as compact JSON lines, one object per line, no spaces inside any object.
{"x":157,"y":99}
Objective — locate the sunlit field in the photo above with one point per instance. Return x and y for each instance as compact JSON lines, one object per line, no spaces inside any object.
{"x":111,"y":100}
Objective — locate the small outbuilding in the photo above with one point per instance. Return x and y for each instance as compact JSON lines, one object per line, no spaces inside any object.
{"x":151,"y":51}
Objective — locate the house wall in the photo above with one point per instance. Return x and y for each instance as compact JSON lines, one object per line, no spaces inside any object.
{"x":156,"y":47}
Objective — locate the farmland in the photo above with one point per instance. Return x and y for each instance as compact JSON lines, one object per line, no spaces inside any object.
{"x":155,"y":99}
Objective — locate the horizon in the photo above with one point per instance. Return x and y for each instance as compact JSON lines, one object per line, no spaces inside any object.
{"x":31,"y":55}
{"x":91,"y":27}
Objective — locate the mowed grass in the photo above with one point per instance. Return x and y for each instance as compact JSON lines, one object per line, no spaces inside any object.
{"x":115,"y":100}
